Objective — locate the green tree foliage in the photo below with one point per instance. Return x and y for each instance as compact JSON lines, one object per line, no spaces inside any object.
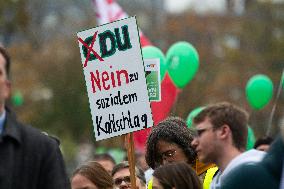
{"x":13,"y":18}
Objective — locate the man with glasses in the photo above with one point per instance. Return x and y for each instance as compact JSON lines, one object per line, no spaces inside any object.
{"x":121,"y":176}
{"x":221,"y":137}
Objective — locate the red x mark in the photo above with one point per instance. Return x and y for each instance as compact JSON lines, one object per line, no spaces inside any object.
{"x":90,"y":48}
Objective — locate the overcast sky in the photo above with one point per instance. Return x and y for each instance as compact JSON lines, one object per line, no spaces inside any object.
{"x":198,"y":5}
{"x":201,"y":6}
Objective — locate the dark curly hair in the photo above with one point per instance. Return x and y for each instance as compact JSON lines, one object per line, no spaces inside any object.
{"x":172,"y":130}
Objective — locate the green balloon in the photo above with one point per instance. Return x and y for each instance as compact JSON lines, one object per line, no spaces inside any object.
{"x":259,"y":91}
{"x":154,"y":52}
{"x":251,"y":139}
{"x":192,"y":114}
{"x":17,"y":99}
{"x":182,"y":63}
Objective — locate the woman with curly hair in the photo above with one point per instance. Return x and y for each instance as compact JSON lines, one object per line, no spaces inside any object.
{"x":168,"y":142}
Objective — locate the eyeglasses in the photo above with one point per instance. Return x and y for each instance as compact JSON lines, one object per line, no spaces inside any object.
{"x":168,"y":154}
{"x":118,"y":181}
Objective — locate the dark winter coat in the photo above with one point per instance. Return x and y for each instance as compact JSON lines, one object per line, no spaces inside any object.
{"x":29,"y":159}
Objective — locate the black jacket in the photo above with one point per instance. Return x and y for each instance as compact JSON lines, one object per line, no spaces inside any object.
{"x":29,"y":159}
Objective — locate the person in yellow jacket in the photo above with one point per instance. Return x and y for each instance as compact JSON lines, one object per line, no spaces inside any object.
{"x":209,"y":176}
{"x":205,"y":173}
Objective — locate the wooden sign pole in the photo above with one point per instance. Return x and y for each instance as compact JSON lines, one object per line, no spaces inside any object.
{"x":129,"y":143}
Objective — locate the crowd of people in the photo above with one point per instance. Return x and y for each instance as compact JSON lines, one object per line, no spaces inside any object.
{"x":211,"y":155}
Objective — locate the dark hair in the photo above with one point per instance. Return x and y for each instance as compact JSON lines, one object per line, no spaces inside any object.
{"x":138,"y":171}
{"x":94,"y":172}
{"x":263,"y":140}
{"x":178,"y":175}
{"x":172,"y":130}
{"x":231,"y":115}
{"x":104,"y":156}
{"x":6,"y":56}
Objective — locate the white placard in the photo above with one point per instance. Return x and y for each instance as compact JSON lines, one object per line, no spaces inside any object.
{"x":115,"y":78}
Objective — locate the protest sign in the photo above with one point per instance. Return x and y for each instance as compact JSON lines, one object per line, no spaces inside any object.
{"x":115,"y":78}
{"x":152,"y":69}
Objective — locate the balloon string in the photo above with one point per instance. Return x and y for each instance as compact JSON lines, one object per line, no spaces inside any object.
{"x":174,"y":106}
{"x":274,"y":105}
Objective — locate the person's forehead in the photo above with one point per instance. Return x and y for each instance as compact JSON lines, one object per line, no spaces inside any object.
{"x":163,"y":142}
{"x":105,"y":162}
{"x":2,"y":60}
{"x":263,"y":147}
{"x":164,"y":146}
{"x":204,"y":124}
{"x":122,"y":173}
{"x":80,"y":181}
{"x":2,"y":63}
